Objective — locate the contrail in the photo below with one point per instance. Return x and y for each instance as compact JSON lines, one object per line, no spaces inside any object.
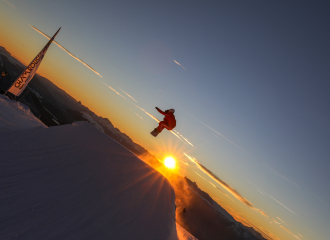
{"x":220,"y":191}
{"x":10,"y":4}
{"x":128,"y":95}
{"x":219,"y":134}
{"x":281,"y":204}
{"x":179,"y":64}
{"x":182,"y":137}
{"x":281,"y":220}
{"x":264,"y":193}
{"x":67,"y":51}
{"x":224,"y":185}
{"x":291,"y":233}
{"x":202,"y":177}
{"x":113,"y":89}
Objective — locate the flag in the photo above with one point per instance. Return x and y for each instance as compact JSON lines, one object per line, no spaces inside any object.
{"x":23,"y":80}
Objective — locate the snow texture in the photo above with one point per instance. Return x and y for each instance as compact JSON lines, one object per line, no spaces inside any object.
{"x":16,"y":116}
{"x":74,"y":182}
{"x":183,"y":234}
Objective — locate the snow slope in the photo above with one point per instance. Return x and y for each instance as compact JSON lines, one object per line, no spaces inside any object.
{"x":16,"y":116}
{"x":182,"y":234}
{"x":74,"y":182}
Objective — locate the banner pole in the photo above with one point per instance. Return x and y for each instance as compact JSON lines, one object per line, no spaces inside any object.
{"x":23,"y":80}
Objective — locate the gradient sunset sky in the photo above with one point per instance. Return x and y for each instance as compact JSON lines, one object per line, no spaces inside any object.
{"x":249,"y":81}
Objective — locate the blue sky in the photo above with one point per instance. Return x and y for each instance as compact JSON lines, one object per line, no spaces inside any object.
{"x":249,"y":81}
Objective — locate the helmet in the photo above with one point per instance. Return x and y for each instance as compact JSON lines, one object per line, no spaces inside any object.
{"x":171,"y":110}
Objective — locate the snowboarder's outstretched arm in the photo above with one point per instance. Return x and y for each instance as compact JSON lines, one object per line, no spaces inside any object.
{"x":166,"y":113}
{"x":160,"y":111}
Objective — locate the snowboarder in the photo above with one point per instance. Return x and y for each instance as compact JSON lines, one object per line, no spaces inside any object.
{"x":169,"y":121}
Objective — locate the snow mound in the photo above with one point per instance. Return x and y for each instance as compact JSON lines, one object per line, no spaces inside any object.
{"x":92,"y":121}
{"x":183,"y":234}
{"x":73,"y":182}
{"x":16,"y":116}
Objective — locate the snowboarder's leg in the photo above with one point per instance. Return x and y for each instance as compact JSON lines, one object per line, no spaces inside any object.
{"x":160,"y":128}
{"x":162,"y":125}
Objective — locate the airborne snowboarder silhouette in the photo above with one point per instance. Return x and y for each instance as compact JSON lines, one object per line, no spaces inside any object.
{"x":169,"y":121}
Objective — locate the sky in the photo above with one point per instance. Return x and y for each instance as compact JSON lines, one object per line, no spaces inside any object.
{"x":248,"y":80}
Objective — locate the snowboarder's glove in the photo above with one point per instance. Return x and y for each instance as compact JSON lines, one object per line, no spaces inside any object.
{"x":157,"y":108}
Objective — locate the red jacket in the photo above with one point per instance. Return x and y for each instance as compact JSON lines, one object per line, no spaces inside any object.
{"x":169,"y":118}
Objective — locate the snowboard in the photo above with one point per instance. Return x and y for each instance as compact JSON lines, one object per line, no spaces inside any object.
{"x":154,"y":132}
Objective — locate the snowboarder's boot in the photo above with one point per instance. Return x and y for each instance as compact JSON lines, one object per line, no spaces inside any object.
{"x":155,"y":132}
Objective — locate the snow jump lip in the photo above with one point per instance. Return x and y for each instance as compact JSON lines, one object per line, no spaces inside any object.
{"x":74,"y":182}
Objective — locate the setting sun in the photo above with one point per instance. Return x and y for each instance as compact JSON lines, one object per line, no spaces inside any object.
{"x":169,"y":162}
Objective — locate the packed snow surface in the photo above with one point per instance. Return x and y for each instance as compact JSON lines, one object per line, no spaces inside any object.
{"x":16,"y":116}
{"x":74,"y":182}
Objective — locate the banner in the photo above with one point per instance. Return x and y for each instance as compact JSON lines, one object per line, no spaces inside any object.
{"x":23,"y":80}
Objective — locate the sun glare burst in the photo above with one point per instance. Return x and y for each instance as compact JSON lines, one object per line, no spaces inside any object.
{"x":169,"y":162}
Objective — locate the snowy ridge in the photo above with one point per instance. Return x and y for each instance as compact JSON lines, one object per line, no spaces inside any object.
{"x":210,"y":201}
{"x":105,"y":126}
{"x":74,"y":182}
{"x":10,"y":58}
{"x":92,"y":121}
{"x":183,"y":234}
{"x":16,"y":116}
{"x":199,"y":210}
{"x":46,"y":91}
